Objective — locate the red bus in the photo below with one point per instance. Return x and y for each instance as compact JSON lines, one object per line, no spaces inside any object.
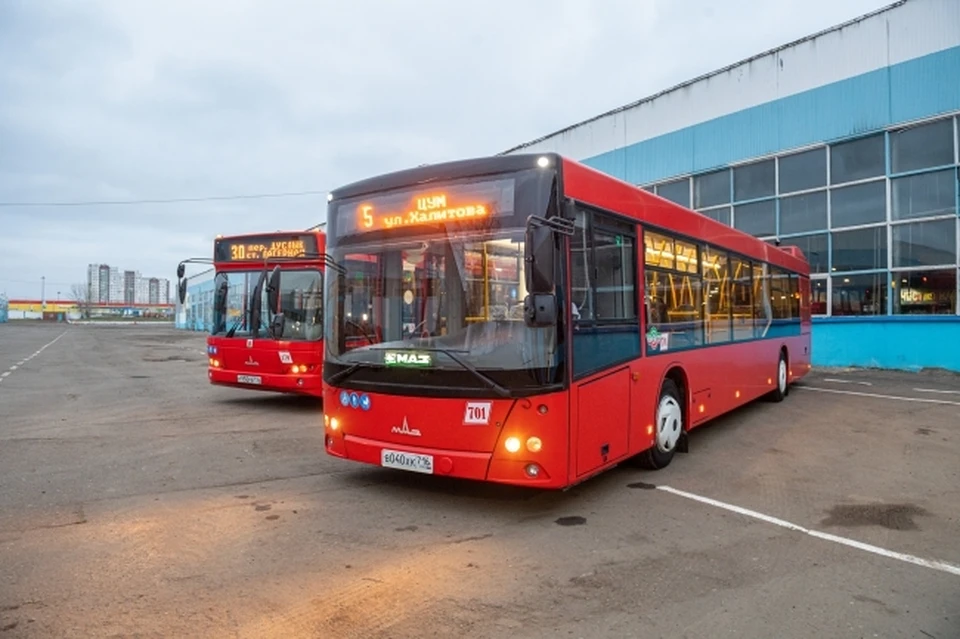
{"x":495,"y":319}
{"x":271,"y":342}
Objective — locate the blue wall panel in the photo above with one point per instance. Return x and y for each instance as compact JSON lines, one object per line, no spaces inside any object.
{"x":915,"y":89}
{"x":665,"y":155}
{"x":906,"y":343}
{"x":746,"y":134}
{"x":925,"y":86}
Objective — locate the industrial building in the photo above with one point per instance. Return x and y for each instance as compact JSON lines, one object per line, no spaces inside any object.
{"x":844,"y":144}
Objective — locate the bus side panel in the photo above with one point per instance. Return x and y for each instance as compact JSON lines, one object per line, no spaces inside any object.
{"x":601,"y":420}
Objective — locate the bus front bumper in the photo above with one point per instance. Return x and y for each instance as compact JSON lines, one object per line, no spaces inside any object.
{"x":481,"y":466}
{"x":306,"y":384}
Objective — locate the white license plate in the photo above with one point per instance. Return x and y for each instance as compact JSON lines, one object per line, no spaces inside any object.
{"x":248,"y":379}
{"x":406,"y":461}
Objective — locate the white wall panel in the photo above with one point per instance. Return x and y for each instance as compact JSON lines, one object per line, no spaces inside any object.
{"x":906,"y":31}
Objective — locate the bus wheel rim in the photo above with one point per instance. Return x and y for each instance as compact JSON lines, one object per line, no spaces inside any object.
{"x":782,"y":376}
{"x":669,"y":423}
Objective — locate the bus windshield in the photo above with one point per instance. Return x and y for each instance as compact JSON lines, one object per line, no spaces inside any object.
{"x":440,"y":310}
{"x":301,"y":295}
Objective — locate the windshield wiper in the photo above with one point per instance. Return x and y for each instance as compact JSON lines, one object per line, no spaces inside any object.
{"x":236,"y":325}
{"x":350,"y":370}
{"x":483,"y":377}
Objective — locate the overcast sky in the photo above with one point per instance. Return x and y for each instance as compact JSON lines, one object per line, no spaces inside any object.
{"x":138,"y":99}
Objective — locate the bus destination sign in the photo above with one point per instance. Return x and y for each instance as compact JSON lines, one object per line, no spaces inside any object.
{"x":265,"y":247}
{"x":469,"y":202}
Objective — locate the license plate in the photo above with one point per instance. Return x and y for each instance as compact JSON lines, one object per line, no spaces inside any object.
{"x":406,"y":461}
{"x":248,"y":379}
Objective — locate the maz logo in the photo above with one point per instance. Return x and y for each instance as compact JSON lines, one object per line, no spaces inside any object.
{"x":405,"y":429}
{"x":251,"y":362}
{"x":407,"y":359}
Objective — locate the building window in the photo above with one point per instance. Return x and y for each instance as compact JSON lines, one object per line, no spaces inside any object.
{"x":925,"y":195}
{"x":922,"y":147}
{"x":857,"y":160}
{"x":802,"y":171}
{"x":814,"y":248}
{"x":860,"y":250}
{"x":721,"y":214}
{"x":925,"y":292}
{"x":754,"y":181}
{"x":757,"y":218}
{"x":860,"y":294}
{"x":858,"y":204}
{"x":925,"y":243}
{"x":677,"y":191}
{"x":818,"y":297}
{"x":803,"y":213}
{"x":711,"y":189}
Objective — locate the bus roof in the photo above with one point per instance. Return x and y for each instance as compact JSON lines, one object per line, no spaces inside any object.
{"x":427,"y":173}
{"x":591,"y":186}
{"x":239,"y":236}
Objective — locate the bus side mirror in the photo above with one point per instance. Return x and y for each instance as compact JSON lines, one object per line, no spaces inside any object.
{"x":182,"y":290}
{"x":277,"y":324}
{"x":540,"y":256}
{"x":220,"y":301}
{"x":273,"y":290}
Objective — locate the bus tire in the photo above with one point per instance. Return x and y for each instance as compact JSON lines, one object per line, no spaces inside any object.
{"x":782,"y":379}
{"x":669,"y":419}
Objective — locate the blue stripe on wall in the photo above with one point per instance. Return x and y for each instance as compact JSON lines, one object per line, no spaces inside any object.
{"x":906,"y":343}
{"x":910,"y":90}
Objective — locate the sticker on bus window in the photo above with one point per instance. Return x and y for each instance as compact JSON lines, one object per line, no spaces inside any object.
{"x":477,"y":413}
{"x":285,"y":357}
{"x":656,"y":340}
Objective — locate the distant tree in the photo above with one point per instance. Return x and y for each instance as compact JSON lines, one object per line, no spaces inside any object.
{"x":81,"y":295}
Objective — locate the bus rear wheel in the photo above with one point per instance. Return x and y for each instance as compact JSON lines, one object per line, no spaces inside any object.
{"x":668,"y":428}
{"x":783,"y":387}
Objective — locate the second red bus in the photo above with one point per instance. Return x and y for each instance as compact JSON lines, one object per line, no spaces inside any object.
{"x":267,"y":312}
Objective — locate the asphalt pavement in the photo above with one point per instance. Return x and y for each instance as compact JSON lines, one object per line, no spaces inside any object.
{"x":138,"y":500}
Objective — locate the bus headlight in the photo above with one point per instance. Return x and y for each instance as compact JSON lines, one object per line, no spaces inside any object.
{"x":534,"y":444}
{"x":512,"y":444}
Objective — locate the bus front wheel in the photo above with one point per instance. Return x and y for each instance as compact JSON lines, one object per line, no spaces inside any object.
{"x":668,"y":427}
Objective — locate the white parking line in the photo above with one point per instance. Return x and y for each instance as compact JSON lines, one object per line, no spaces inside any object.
{"x":6,"y":373}
{"x":933,"y":564}
{"x":934,"y":390}
{"x":921,"y":400}
{"x":846,"y":381}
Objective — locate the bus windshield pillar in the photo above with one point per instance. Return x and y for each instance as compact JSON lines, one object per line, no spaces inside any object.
{"x":392,"y":302}
{"x":454,"y":281}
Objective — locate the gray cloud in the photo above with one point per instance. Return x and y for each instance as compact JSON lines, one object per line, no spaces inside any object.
{"x":120,"y":99}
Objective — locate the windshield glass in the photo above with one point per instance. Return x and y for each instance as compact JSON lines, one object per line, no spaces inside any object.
{"x":435,"y":305}
{"x":301,"y":301}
